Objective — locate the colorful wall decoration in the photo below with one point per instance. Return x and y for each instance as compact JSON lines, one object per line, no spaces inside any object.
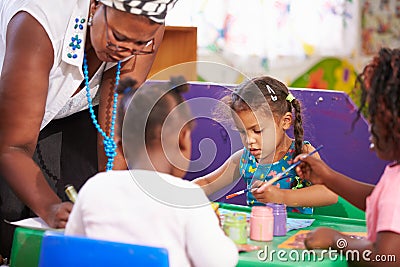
{"x":260,"y":36}
{"x":380,"y":25}
{"x":330,"y":73}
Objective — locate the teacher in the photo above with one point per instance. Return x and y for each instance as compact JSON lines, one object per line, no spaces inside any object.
{"x":60,"y":63}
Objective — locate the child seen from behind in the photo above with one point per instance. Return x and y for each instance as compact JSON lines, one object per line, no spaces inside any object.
{"x":150,"y":204}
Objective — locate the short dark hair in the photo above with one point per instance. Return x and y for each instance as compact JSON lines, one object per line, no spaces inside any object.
{"x":143,"y":111}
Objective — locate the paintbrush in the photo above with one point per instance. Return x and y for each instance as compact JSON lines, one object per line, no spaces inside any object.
{"x":276,"y":177}
{"x":241,"y":192}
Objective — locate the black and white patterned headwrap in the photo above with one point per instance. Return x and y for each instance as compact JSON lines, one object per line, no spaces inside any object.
{"x":156,"y":10}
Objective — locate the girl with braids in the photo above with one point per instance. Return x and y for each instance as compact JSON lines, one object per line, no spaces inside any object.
{"x":262,"y":111}
{"x":157,"y":125}
{"x":380,"y":96}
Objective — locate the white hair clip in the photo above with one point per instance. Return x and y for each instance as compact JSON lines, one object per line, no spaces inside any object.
{"x":274,"y":97}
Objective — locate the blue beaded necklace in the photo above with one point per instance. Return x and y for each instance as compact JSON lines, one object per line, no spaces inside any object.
{"x":108,"y":141}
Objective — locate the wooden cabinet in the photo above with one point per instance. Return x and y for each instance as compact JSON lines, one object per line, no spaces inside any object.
{"x":178,"y":46}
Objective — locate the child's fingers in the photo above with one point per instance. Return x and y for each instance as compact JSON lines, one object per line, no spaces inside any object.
{"x":269,"y":193}
{"x":260,"y":190}
{"x":299,"y":157}
{"x":321,"y":238}
{"x":299,"y":171}
{"x":303,"y":170}
{"x":261,"y":197}
{"x":304,"y":167}
{"x":305,"y":158}
{"x":256,"y":183}
{"x":264,"y":188}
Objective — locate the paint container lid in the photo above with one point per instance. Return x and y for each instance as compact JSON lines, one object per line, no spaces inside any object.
{"x":261,"y":211}
{"x":277,"y":208}
{"x":235,"y":218}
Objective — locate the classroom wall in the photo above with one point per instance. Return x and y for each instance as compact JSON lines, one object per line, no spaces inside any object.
{"x":328,"y":116}
{"x":279,"y":38}
{"x":285,"y":38}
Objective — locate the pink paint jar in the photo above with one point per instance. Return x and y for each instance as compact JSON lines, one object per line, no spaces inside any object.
{"x":261,"y":223}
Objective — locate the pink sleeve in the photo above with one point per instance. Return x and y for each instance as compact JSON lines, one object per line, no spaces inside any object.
{"x":388,"y":205}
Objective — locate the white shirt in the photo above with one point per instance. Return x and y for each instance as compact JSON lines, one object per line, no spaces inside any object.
{"x":113,"y":206}
{"x":58,"y":18}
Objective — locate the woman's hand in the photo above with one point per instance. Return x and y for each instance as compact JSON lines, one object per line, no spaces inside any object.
{"x":58,"y":215}
{"x":322,"y":238}
{"x":313,"y":169}
{"x":269,"y":194}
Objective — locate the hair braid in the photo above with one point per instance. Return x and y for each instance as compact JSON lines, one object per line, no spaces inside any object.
{"x":298,"y":128}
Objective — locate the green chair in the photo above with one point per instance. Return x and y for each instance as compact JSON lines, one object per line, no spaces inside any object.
{"x":26,"y":246}
{"x":341,"y":209}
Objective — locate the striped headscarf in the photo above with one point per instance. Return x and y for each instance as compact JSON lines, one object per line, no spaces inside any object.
{"x":156,"y":10}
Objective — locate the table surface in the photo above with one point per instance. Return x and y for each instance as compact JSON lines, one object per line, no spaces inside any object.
{"x":294,"y":257}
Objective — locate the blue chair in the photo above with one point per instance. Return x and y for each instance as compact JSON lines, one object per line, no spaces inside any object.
{"x":65,"y":251}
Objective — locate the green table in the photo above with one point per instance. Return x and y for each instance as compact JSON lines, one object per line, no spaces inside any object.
{"x":286,"y":258}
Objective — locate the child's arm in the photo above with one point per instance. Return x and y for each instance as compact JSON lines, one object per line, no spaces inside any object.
{"x":312,"y":196}
{"x":226,"y":174}
{"x":316,"y":171}
{"x":362,"y":252}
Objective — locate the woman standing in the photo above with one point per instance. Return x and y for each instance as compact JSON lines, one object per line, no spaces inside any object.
{"x":59,"y":58}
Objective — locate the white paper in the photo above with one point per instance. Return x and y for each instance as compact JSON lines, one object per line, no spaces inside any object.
{"x":33,"y":223}
{"x":294,"y":224}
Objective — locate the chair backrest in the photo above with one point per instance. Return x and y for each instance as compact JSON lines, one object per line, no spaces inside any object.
{"x":60,"y":250}
{"x":26,"y":247}
{"x":342,"y":208}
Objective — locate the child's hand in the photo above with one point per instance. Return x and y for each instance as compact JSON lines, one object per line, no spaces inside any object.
{"x":215,"y":207}
{"x":322,"y":238}
{"x":312,"y":169}
{"x":269,"y":194}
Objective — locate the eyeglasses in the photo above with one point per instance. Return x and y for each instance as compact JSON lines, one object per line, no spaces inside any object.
{"x":145,"y":47}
